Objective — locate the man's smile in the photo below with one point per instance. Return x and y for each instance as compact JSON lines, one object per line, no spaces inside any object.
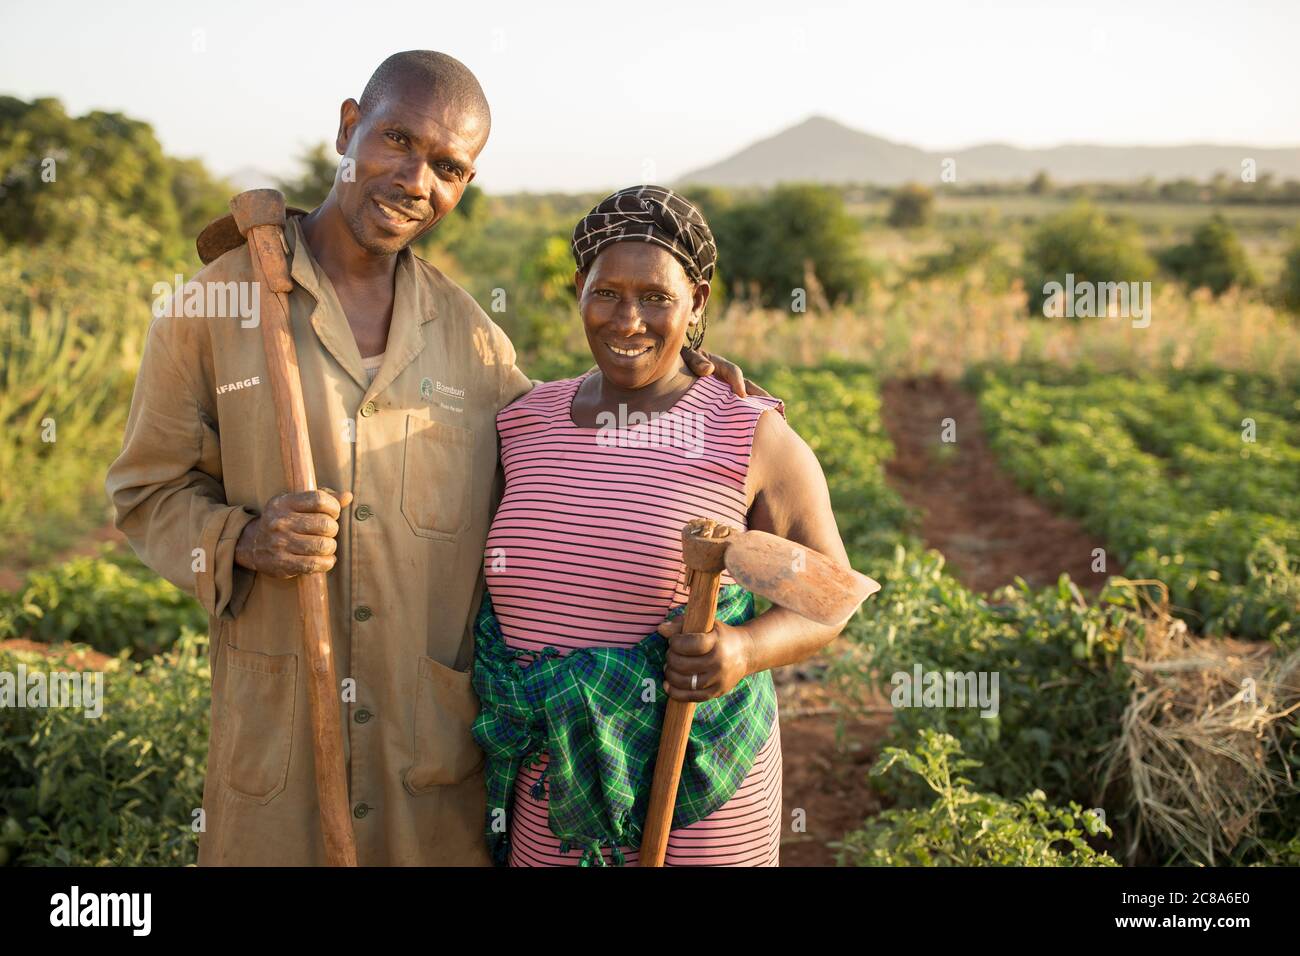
{"x":395,"y":216}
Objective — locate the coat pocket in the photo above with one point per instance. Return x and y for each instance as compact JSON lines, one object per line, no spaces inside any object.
{"x":445,"y":708}
{"x":437,"y":478}
{"x":258,"y":702}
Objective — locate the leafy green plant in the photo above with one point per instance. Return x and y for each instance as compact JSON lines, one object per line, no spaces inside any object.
{"x":109,"y":604}
{"x":837,"y":410}
{"x":962,"y":827}
{"x":1061,"y":683}
{"x":118,"y":790}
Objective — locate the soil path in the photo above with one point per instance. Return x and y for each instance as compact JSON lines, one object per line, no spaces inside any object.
{"x":986,"y":526}
{"x":826,"y":791}
{"x":827,"y":779}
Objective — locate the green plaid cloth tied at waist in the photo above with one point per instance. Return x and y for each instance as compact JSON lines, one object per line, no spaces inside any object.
{"x":597,"y":713}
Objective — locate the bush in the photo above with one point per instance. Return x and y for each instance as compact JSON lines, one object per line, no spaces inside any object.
{"x":109,"y":604}
{"x":796,"y":237}
{"x":1082,"y":242}
{"x":965,"y":828}
{"x":118,"y":790}
{"x":1214,"y":259}
{"x":966,"y":253}
{"x":911,"y":206}
{"x":1290,"y":281}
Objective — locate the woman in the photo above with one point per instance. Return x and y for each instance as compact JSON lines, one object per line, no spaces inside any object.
{"x":584,"y":558}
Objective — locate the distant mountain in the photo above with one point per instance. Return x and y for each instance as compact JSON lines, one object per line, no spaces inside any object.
{"x":822,"y":150}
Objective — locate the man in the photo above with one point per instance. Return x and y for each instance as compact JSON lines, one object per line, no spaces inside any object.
{"x":403,"y":375}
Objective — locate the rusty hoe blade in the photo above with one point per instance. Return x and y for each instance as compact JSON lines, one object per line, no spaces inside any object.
{"x":792,"y":576}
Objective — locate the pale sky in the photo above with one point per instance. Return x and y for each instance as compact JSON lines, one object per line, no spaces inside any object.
{"x":601,"y":94}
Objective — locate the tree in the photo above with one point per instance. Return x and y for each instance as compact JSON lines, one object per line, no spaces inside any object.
{"x":1081,"y":242}
{"x":199,"y":196}
{"x":313,"y":183}
{"x":471,"y":202}
{"x":772,"y":245}
{"x":712,"y":201}
{"x":911,"y":206}
{"x":51,"y":159}
{"x":1214,"y":258}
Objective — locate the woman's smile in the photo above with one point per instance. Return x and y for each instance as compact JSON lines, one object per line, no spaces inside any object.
{"x":628,"y":351}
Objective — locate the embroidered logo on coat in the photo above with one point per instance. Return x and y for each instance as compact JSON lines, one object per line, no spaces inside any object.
{"x":426,"y":389}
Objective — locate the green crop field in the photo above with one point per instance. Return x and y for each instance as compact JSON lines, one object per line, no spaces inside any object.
{"x":1191,"y":478}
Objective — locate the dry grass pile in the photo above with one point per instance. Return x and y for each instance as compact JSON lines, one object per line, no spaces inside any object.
{"x":1201,"y":755}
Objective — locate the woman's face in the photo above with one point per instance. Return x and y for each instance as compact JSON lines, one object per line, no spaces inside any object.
{"x":637,"y":303}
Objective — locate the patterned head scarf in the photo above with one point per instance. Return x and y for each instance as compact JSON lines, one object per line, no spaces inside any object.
{"x":648,"y":214}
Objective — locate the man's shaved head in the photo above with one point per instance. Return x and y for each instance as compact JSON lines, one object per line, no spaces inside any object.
{"x":444,"y":76}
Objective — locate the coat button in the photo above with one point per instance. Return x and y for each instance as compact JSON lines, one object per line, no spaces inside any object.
{"x":360,"y":810}
{"x":368,"y":409}
{"x":363,"y":512}
{"x":362,"y":613}
{"x":362,"y":716}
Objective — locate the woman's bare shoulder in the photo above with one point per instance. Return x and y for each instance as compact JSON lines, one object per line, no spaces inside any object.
{"x":781,"y":463}
{"x":774,"y":437}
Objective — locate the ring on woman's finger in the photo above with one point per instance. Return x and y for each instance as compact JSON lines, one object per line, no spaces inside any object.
{"x":695,"y":679}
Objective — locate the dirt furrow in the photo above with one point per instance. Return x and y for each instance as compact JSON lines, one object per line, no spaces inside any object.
{"x":969,"y":508}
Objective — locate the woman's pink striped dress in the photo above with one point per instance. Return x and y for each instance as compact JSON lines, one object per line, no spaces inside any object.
{"x":586,"y":549}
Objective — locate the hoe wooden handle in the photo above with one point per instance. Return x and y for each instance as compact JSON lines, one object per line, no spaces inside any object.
{"x":260,"y":216}
{"x":704,"y":546}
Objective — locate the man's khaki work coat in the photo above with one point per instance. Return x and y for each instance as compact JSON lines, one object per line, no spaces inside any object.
{"x":418,"y":450}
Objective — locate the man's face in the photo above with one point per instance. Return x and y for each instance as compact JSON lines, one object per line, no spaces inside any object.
{"x":413,"y":156}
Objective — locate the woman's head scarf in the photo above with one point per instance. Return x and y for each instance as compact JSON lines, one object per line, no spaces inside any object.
{"x":648,"y":214}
